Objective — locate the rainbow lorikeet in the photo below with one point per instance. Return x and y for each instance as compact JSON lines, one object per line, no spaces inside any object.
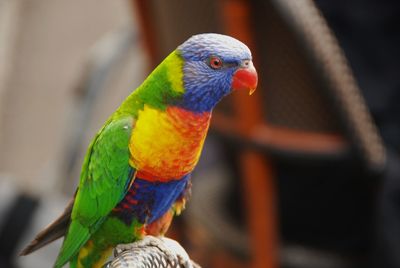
{"x":137,"y":168}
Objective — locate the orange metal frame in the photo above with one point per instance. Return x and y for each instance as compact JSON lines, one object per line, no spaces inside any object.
{"x":283,"y":139}
{"x":257,"y":171}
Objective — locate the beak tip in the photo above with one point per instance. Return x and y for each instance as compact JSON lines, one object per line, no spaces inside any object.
{"x":245,"y":79}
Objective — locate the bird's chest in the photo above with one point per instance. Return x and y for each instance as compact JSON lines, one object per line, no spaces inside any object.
{"x":167,"y":144}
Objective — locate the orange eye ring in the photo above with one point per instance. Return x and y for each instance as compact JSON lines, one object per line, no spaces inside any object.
{"x":216,"y":62}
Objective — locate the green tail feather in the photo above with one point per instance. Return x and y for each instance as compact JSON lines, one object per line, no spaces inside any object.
{"x":73,"y":263}
{"x":76,"y":237}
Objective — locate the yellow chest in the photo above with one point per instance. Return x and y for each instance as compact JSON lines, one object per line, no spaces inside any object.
{"x":167,"y":144}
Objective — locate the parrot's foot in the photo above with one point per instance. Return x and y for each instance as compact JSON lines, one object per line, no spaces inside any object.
{"x":151,"y":252}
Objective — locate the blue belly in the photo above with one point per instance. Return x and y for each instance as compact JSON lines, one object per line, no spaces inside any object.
{"x":147,"y":201}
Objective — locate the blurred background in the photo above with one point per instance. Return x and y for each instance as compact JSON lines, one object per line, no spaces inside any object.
{"x":305,"y":173}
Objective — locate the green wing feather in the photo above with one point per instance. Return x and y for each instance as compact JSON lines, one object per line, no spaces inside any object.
{"x":105,"y":177}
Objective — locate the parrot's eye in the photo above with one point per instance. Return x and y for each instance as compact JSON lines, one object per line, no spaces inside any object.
{"x":215,"y":62}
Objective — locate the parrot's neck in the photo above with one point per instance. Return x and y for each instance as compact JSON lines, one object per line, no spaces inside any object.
{"x":161,"y":89}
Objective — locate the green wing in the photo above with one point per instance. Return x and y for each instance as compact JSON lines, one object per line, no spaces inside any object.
{"x":105,"y":178}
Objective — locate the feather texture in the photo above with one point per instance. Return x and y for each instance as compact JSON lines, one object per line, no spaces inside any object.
{"x":104,"y":182}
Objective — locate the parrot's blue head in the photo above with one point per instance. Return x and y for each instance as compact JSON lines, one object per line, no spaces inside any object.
{"x":214,"y":65}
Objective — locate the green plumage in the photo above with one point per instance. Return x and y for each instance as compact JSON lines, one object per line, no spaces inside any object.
{"x":104,"y":182}
{"x":158,"y":89}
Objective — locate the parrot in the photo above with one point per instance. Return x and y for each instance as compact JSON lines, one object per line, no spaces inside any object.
{"x":136,"y":174}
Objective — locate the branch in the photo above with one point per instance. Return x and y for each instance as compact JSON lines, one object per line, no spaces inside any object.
{"x":157,"y":252}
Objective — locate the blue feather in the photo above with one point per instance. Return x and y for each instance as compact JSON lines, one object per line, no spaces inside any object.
{"x":147,"y":201}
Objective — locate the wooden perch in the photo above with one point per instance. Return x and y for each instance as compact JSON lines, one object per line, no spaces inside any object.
{"x":157,"y":252}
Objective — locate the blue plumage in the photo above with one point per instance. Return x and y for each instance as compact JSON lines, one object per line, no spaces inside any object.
{"x":147,"y":201}
{"x":205,"y":86}
{"x":200,"y":47}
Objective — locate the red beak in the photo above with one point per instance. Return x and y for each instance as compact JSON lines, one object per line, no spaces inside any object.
{"x":245,"y":78}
